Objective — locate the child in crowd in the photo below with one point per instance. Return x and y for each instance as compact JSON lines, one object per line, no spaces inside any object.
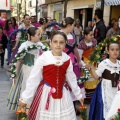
{"x":87,"y":45}
{"x":105,"y":92}
{"x":24,"y":65}
{"x":71,"y":48}
{"x":85,"y":48}
{"x":3,"y":45}
{"x":49,"y":83}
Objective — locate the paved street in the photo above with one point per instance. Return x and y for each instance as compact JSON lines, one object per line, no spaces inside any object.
{"x":5,"y":84}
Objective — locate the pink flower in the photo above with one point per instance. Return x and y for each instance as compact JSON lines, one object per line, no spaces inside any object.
{"x":104,"y":56}
{"x":118,"y":109}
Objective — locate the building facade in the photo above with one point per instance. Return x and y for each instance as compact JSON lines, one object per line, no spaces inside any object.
{"x":5,"y":9}
{"x":111,"y":10}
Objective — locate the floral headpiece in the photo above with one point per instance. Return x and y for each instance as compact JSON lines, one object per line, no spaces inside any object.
{"x":97,"y":54}
{"x":64,"y":23}
{"x":44,"y":20}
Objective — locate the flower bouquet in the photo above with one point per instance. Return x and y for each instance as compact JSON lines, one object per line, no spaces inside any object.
{"x":117,"y":116}
{"x":21,"y":115}
{"x":83,"y":113}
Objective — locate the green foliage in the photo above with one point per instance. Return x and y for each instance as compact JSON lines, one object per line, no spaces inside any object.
{"x":100,"y":51}
{"x":22,"y":116}
{"x":83,"y":114}
{"x":117,"y":117}
{"x":84,"y":78}
{"x":21,"y":55}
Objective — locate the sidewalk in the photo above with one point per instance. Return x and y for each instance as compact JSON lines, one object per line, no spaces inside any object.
{"x":5,"y":85}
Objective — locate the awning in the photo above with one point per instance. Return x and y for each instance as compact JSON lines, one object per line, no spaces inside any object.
{"x":5,"y":10}
{"x":109,"y":2}
{"x":82,"y":7}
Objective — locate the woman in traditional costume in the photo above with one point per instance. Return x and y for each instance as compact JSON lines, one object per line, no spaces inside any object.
{"x":44,"y":37}
{"x":49,"y":83}
{"x":28,"y":52}
{"x":85,"y":48}
{"x":105,"y":92}
{"x":21,"y":36}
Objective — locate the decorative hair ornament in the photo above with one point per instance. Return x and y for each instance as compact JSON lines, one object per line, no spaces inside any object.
{"x":21,"y":54}
{"x":44,"y":20}
{"x":97,"y":54}
{"x":64,"y":23}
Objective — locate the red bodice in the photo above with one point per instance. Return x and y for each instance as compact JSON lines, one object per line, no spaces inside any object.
{"x":55,"y":77}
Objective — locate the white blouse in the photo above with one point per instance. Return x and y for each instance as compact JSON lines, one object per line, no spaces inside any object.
{"x":107,"y":64}
{"x":36,"y":77}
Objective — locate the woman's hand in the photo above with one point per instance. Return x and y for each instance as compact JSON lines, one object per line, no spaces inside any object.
{"x":47,"y":41}
{"x":80,"y":64}
{"x":22,"y":106}
{"x":89,"y":66}
{"x":82,"y":101}
{"x":14,"y":48}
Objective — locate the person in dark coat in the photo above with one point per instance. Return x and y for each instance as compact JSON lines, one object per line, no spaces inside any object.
{"x":3,"y":45}
{"x":99,"y":28}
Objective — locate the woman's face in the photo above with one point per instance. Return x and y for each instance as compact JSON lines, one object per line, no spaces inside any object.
{"x":89,"y":36}
{"x":37,"y":36}
{"x":115,"y":26}
{"x":58,"y":44}
{"x":113,"y":51}
{"x":27,"y":20}
{"x":1,"y":31}
{"x":10,"y":23}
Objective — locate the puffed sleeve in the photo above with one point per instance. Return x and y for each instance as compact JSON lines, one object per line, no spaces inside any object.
{"x":33,"y":81}
{"x":72,"y":81}
{"x":100,"y":69}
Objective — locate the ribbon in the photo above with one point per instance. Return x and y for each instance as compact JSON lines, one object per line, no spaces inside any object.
{"x":52,"y":90}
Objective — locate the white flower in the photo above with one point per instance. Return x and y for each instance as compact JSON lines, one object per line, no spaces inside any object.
{"x":17,"y":58}
{"x":15,"y":55}
{"x":13,"y":75}
{"x":11,"y":68}
{"x":31,"y":46}
{"x":14,"y":64}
